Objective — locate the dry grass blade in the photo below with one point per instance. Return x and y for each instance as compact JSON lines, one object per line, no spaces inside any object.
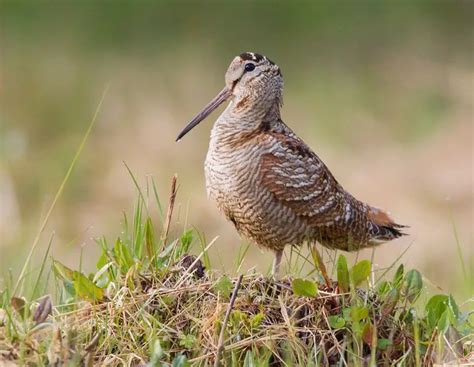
{"x":168,"y":312}
{"x":169,"y":213}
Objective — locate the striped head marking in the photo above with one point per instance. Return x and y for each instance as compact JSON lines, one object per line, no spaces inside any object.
{"x":248,"y":68}
{"x":251,"y":77}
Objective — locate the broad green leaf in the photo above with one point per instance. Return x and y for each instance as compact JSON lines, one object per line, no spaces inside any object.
{"x":443,"y":322}
{"x":434,"y":308}
{"x":86,"y":289}
{"x":342,"y":274}
{"x":65,"y":274}
{"x":413,"y":285}
{"x":103,"y":259}
{"x":358,"y":313}
{"x":336,"y":321}
{"x":346,"y":313}
{"x":224,"y":286}
{"x":62,"y":271}
{"x":305,"y":288}
{"x":360,"y":272}
{"x":77,"y":283}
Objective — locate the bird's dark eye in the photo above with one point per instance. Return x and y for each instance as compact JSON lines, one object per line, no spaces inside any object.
{"x":249,"y":67}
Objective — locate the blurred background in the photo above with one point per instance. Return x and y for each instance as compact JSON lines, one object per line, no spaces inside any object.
{"x":381,"y":90}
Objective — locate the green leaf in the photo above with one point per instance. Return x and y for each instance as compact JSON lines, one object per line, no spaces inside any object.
{"x":237,"y":317}
{"x":390,"y":302}
{"x":398,"y":277}
{"x":102,"y":277}
{"x":305,"y":288}
{"x":256,"y":320}
{"x":358,"y":313}
{"x":103,"y":260}
{"x":122,"y":256}
{"x":443,"y":322}
{"x":360,"y":272}
{"x":434,"y":308}
{"x":342,"y":274}
{"x":65,"y":274}
{"x":249,"y":360}
{"x":336,"y":321}
{"x":453,"y":307}
{"x":180,"y":361}
{"x":186,"y":240}
{"x":384,"y":287}
{"x":83,"y":287}
{"x":383,"y":343}
{"x":86,"y":289}
{"x":188,"y":341}
{"x":156,"y":354}
{"x":413,"y":285}
{"x":224,"y":286}
{"x":149,"y":238}
{"x":62,"y":271}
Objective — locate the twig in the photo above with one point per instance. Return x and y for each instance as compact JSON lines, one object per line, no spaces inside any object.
{"x":220,"y":345}
{"x":169,"y":212}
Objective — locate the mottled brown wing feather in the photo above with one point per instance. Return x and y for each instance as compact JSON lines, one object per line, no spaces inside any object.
{"x":300,"y":180}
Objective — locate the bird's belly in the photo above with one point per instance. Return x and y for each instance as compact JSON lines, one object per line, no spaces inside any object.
{"x":233,"y":181}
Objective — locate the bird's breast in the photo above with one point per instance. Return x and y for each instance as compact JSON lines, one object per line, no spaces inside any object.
{"x":231,"y":170}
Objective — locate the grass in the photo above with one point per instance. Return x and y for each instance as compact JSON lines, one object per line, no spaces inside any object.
{"x":156,"y":300}
{"x":152,"y":302}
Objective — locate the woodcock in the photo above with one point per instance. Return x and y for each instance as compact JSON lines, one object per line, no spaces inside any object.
{"x":268,"y":182}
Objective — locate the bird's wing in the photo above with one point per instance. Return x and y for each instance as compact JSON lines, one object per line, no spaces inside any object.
{"x":300,"y":180}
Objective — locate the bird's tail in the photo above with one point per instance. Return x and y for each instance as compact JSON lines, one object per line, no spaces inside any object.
{"x":383,"y":227}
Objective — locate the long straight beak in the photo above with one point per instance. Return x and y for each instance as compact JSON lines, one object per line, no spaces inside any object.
{"x":223,"y":95}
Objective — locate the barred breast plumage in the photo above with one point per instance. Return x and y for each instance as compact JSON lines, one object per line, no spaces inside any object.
{"x":268,"y":182}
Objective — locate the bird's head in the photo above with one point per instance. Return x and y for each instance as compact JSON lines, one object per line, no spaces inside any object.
{"x":250,"y":78}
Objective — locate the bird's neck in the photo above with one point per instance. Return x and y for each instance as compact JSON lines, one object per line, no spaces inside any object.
{"x":247,"y":113}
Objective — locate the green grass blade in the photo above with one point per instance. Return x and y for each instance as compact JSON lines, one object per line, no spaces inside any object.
{"x":43,"y":263}
{"x":59,"y":192}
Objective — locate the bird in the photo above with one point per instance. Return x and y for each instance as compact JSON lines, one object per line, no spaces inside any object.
{"x":268,"y":182}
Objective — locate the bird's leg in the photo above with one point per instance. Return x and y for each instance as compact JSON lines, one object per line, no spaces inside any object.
{"x":276,"y":262}
{"x":318,"y":262}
